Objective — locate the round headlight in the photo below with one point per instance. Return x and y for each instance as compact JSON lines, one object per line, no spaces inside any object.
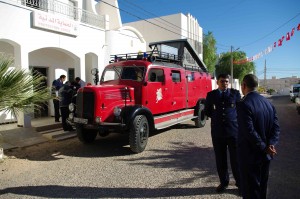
{"x":71,"y":107}
{"x":98,"y":120}
{"x":117,"y":111}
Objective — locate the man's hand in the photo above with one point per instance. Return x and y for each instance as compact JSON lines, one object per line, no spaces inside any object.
{"x":271,"y":150}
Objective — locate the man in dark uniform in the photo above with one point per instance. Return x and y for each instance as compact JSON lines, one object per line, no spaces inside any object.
{"x":220,"y":106}
{"x":56,"y":85}
{"x":66,"y":94}
{"x":258,"y":134}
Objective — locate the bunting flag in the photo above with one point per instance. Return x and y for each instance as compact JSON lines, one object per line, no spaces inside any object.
{"x":287,"y":36}
{"x":292,"y":32}
{"x":270,"y":48}
{"x":280,"y":42}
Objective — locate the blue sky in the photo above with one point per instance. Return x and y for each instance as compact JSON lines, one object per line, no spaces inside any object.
{"x":250,"y":25}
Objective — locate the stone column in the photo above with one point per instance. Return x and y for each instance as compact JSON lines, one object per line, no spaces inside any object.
{"x":22,"y":62}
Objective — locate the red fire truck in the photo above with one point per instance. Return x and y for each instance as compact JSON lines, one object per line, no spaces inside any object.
{"x":141,"y":92}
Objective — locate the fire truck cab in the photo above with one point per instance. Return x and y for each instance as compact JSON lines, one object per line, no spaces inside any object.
{"x":141,"y":92}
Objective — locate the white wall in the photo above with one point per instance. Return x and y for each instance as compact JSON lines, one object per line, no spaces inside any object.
{"x":152,"y":33}
{"x":47,"y":49}
{"x":171,"y":27}
{"x":114,"y":14}
{"x":18,"y":29}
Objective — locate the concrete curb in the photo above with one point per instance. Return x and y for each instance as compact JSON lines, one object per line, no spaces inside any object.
{"x":46,"y":131}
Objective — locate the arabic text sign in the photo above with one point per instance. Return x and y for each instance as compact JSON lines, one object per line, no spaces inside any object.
{"x":55,"y":23}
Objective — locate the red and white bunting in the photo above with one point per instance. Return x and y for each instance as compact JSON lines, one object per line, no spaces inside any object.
{"x":270,"y":48}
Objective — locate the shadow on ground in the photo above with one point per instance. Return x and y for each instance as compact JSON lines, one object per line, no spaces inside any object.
{"x":55,"y":191}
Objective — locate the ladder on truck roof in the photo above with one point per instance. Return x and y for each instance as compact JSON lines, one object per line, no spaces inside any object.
{"x":175,"y":50}
{"x":179,"y":53}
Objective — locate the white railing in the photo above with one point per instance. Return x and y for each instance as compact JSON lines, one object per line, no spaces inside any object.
{"x":59,"y":8}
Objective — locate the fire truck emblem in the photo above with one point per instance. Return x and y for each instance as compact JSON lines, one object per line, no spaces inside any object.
{"x":158,"y":95}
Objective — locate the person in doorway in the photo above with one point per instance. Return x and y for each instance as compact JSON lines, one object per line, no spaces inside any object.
{"x":56,"y":85}
{"x":220,"y":106}
{"x":258,"y":134}
{"x":80,"y":82}
{"x":66,"y":94}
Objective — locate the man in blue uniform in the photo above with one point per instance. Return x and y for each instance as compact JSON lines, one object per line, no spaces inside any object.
{"x":258,"y":134}
{"x":56,"y":85}
{"x":220,"y":106}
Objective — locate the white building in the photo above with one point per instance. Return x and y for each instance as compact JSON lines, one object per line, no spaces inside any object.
{"x":281,"y":86}
{"x":171,"y":27}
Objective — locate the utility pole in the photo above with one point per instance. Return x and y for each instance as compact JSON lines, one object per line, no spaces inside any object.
{"x":231,"y":67}
{"x":231,"y":64}
{"x":265,"y":74}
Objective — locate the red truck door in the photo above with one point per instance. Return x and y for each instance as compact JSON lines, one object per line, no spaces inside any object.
{"x":194,"y":88}
{"x":156,"y":94}
{"x":178,"y":84}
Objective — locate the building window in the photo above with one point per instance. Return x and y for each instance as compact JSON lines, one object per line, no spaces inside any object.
{"x":33,"y":3}
{"x":71,"y":74}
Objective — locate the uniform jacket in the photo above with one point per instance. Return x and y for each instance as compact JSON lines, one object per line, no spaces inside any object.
{"x":56,"y":85}
{"x":258,"y":127}
{"x":222,"y":111}
{"x":66,"y":94}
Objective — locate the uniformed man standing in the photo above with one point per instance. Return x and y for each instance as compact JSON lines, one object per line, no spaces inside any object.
{"x":56,"y":85}
{"x":258,"y":134}
{"x":220,"y":106}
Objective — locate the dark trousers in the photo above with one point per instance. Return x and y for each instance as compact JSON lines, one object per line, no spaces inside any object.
{"x":56,"y":109}
{"x":221,"y":145}
{"x":254,"y":180}
{"x":64,"y":115}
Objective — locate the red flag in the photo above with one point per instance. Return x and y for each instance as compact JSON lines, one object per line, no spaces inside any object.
{"x":292,"y":33}
{"x":298,"y":28}
{"x":275,"y":44}
{"x":287,"y":36}
{"x":279,"y":42}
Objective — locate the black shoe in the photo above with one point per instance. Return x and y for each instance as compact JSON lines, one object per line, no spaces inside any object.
{"x":57,"y":121}
{"x":221,"y":188}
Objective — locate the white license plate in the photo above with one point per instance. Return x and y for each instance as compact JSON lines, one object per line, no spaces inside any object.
{"x":80,"y":120}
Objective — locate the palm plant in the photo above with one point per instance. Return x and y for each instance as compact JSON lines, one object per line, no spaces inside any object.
{"x":20,"y":90}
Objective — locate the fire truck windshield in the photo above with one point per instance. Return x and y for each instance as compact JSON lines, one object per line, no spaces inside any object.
{"x":125,"y":73}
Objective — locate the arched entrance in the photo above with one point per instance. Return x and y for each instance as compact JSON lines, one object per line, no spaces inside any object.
{"x":53,"y":62}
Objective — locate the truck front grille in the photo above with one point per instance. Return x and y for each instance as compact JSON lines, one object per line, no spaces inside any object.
{"x":85,"y":105}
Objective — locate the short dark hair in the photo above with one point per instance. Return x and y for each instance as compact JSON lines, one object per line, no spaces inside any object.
{"x":77,"y":79}
{"x":251,"y":81}
{"x":62,"y":77}
{"x":224,"y":76}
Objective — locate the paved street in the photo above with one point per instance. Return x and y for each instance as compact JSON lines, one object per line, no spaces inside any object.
{"x":178,"y":163}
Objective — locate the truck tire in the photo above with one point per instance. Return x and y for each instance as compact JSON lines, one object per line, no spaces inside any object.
{"x":139,"y":133}
{"x":200,"y":121}
{"x":86,"y":135}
